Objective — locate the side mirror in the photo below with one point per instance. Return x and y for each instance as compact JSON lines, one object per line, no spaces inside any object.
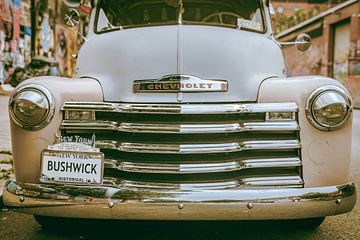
{"x":303,"y":42}
{"x":72,"y":18}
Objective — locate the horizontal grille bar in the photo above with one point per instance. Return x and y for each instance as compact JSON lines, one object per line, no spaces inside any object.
{"x":181,"y":128}
{"x":137,"y":108}
{"x":202,"y":167}
{"x":285,"y":181}
{"x":281,"y":181}
{"x":198,"y":148}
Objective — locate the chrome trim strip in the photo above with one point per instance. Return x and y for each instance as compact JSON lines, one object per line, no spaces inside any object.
{"x":282,"y":181}
{"x":277,"y":181}
{"x":198,"y":148}
{"x":181,"y":128}
{"x":227,"y":204}
{"x":192,"y":168}
{"x":175,"y":186}
{"x":152,"y":108}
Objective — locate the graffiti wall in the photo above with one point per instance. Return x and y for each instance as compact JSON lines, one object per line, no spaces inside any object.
{"x":34,"y":29}
{"x":65,"y":46}
{"x":15,"y":36}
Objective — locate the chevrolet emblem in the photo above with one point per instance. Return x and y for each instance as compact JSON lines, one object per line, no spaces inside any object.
{"x":179,"y":83}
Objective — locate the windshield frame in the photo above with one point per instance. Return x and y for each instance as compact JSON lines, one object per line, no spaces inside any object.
{"x":180,"y":21}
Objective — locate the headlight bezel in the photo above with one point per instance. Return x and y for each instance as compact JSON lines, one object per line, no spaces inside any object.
{"x":309,"y":110}
{"x":39,"y":90}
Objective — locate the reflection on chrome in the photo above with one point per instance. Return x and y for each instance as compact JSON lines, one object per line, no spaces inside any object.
{"x":216,"y":204}
{"x":191,"y":168}
{"x":181,"y":128}
{"x":228,"y":108}
{"x":329,"y":107}
{"x":198,"y":148}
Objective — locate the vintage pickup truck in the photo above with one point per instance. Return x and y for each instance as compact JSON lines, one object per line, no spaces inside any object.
{"x":181,"y":110}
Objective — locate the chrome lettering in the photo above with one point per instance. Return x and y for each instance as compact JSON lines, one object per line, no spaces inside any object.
{"x":174,"y":86}
{"x":158,"y":86}
{"x":182,"y":84}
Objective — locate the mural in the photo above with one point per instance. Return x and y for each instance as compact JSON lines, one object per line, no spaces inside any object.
{"x":47,"y":39}
{"x":65,"y":46}
{"x":15,"y":36}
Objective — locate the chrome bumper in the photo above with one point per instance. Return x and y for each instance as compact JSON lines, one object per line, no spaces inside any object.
{"x":103,"y":202}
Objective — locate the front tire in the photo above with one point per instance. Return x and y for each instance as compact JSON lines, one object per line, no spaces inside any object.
{"x":53,"y":223}
{"x":308,"y":223}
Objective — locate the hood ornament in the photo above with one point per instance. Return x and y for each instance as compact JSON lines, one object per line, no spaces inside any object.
{"x":179,"y":83}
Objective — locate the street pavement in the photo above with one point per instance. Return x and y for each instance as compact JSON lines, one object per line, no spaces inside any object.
{"x":5,"y":140}
{"x":5,"y":143}
{"x":21,"y":226}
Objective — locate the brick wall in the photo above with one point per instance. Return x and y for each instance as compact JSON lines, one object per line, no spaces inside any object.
{"x":304,"y":63}
{"x":288,"y":13}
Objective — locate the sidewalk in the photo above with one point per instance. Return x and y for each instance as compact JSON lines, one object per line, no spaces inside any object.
{"x":5,"y":143}
{"x":5,"y":139}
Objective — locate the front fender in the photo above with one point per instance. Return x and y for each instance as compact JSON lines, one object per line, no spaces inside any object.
{"x":28,"y":145}
{"x":326,"y":155}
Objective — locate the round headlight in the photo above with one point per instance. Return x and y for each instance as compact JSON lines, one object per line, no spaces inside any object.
{"x":328,"y":108}
{"x":31,"y":107}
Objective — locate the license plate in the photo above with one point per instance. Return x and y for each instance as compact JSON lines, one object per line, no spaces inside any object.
{"x":72,"y":167}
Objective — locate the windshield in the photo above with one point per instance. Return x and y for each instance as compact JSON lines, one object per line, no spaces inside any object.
{"x":122,"y":14}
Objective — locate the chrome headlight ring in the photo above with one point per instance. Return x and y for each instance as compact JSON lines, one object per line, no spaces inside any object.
{"x":318,"y":108}
{"x":38,"y":98}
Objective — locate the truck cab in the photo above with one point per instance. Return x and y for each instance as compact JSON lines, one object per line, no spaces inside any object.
{"x":181,"y":110}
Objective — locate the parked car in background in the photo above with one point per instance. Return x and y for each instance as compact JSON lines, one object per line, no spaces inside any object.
{"x":181,"y":110}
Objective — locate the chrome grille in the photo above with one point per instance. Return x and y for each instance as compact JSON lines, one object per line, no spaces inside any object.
{"x":190,"y":146}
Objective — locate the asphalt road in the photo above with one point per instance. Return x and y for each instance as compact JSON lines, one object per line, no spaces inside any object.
{"x":347,"y":226}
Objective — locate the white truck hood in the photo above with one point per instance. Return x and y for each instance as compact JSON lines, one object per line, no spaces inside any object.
{"x":116,"y":59}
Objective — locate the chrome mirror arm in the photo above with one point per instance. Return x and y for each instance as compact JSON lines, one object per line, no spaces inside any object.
{"x":302,"y":42}
{"x":291,"y":43}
